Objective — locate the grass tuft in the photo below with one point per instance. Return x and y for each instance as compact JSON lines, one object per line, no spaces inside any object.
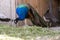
{"x":24,"y":32}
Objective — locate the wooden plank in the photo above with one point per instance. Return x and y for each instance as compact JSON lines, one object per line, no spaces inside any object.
{"x":43,"y":6}
{"x":13,"y":9}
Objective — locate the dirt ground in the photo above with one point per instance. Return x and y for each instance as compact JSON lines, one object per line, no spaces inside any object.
{"x":55,"y":28}
{"x":5,"y":37}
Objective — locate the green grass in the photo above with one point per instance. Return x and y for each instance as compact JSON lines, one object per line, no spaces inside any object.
{"x":24,"y":32}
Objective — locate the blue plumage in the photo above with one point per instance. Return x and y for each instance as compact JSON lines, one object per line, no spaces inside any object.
{"x":22,"y":11}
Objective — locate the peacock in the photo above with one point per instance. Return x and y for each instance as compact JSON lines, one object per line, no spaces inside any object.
{"x":26,"y":11}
